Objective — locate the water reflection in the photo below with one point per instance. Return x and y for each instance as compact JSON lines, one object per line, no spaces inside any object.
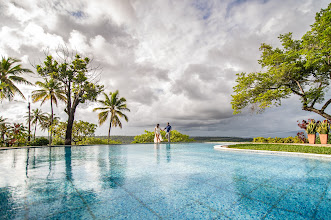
{"x":115,"y":176}
{"x":168,"y":152}
{"x":27,"y":163}
{"x":67,"y":156}
{"x":157,"y":153}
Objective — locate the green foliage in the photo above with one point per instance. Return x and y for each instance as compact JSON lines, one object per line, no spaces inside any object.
{"x":93,"y":141}
{"x":300,"y":67}
{"x":175,"y":136}
{"x":15,"y":134}
{"x":295,"y":139}
{"x":3,"y":130}
{"x":39,"y":142}
{"x":323,"y":127}
{"x":80,"y":130}
{"x":57,"y":141}
{"x":73,"y":76}
{"x":311,"y":127}
{"x":9,"y":74}
{"x":287,"y":148}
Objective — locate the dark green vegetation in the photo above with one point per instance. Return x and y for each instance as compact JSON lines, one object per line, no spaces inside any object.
{"x":121,"y":139}
{"x":39,"y":142}
{"x":295,"y":139}
{"x":287,"y":148}
{"x":221,"y":139}
{"x":175,"y":136}
{"x":87,"y":141}
{"x":300,"y":67}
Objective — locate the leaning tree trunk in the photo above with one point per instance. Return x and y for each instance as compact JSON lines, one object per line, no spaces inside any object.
{"x":67,"y":141}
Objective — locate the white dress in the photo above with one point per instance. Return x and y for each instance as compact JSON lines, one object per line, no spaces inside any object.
{"x":157,"y":131}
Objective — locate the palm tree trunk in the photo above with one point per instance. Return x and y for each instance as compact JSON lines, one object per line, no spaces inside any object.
{"x":109,"y":131}
{"x":50,"y":135}
{"x":35,"y":129}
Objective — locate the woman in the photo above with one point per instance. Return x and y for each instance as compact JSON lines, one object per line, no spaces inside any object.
{"x":158,"y":136}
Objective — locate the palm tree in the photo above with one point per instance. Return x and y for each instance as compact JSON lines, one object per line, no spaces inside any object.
{"x":114,"y":106}
{"x":9,"y":74}
{"x":3,"y":129}
{"x":50,"y":90}
{"x":37,"y":116}
{"x":47,"y":124}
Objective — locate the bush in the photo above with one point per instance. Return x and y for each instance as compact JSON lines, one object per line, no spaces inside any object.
{"x":295,"y":139}
{"x":93,"y":140}
{"x":39,"y":142}
{"x":278,"y":140}
{"x":57,"y":141}
{"x":175,"y":136}
{"x":260,"y":140}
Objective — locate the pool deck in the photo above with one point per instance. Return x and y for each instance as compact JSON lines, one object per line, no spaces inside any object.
{"x":226,"y":148}
{"x":306,"y":144}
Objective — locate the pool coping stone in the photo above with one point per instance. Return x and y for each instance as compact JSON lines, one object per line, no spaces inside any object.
{"x":284,"y":153}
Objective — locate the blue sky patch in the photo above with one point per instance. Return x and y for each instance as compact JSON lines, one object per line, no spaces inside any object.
{"x":204,"y":6}
{"x":77,"y":14}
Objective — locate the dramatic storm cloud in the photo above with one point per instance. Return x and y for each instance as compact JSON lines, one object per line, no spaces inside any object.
{"x":172,"y":60}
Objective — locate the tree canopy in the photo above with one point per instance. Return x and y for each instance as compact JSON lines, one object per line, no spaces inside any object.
{"x":300,"y":67}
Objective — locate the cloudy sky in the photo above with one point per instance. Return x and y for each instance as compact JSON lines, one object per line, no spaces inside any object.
{"x":172,"y":60}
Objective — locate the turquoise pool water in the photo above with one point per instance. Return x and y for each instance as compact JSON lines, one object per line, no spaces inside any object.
{"x":176,"y":181}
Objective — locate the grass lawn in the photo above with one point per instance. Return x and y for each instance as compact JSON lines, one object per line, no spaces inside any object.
{"x":288,"y":148}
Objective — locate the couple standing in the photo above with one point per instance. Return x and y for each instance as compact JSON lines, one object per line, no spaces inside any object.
{"x":158,"y":136}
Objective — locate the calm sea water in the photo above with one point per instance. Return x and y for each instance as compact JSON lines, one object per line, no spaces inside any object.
{"x":167,"y":181}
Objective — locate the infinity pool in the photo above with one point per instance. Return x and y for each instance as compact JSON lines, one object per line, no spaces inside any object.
{"x":173,"y":181}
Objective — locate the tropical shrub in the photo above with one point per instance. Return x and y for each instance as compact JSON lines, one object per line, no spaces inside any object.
{"x":175,"y":136}
{"x":260,"y":140}
{"x":57,"y":141}
{"x":16,"y":135}
{"x":39,"y":142}
{"x":93,"y":140}
{"x":302,"y":137}
{"x":80,"y":130}
{"x":295,"y":139}
{"x":323,"y":127}
{"x":311,"y":127}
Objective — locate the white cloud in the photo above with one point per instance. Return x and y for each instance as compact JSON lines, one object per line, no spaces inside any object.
{"x":173,"y":60}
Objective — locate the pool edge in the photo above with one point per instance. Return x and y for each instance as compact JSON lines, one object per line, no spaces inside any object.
{"x":283,"y":153}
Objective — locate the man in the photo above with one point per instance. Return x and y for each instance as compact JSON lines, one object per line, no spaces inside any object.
{"x":168,"y":129}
